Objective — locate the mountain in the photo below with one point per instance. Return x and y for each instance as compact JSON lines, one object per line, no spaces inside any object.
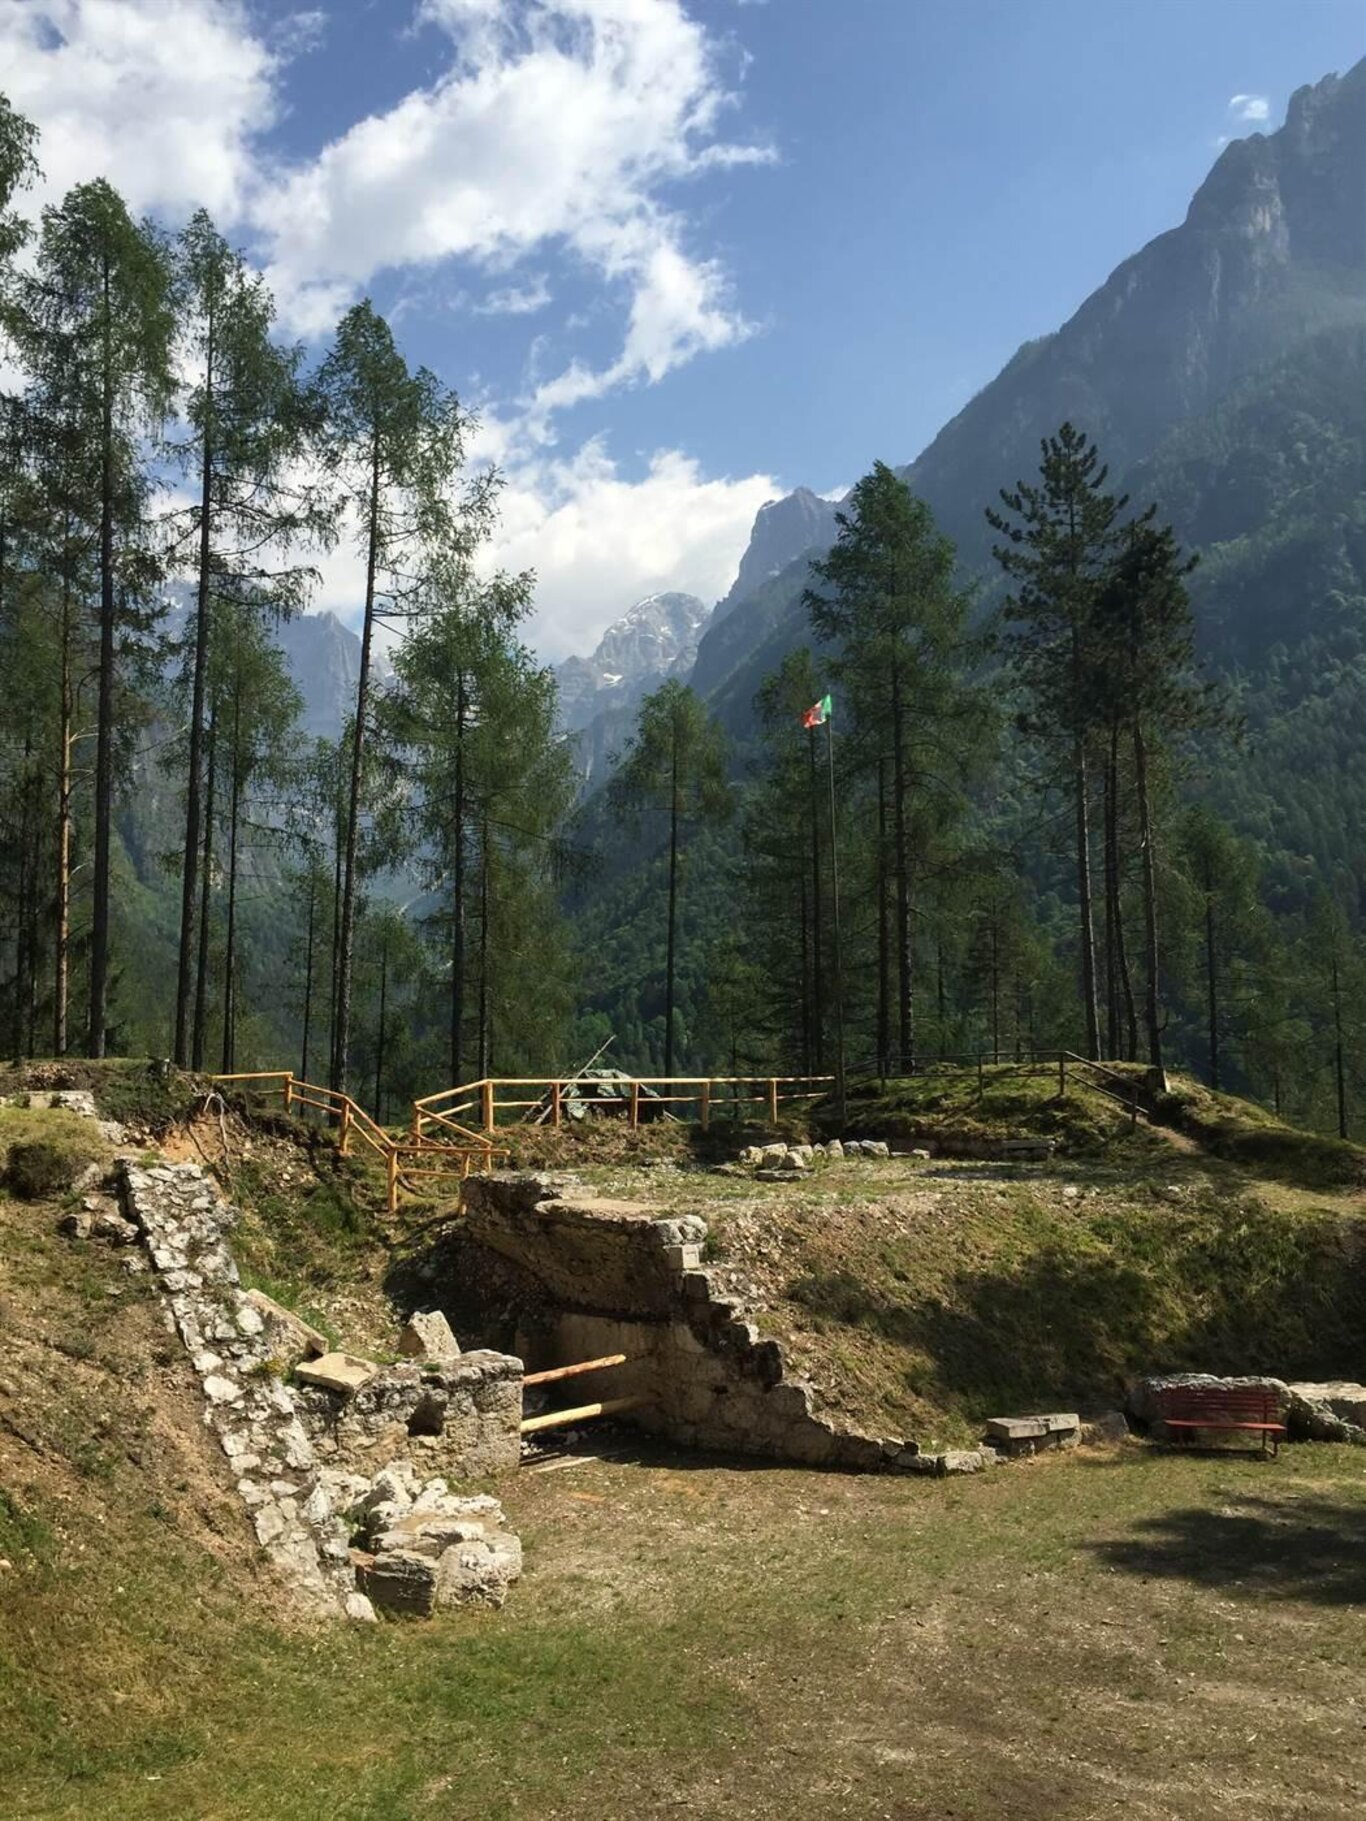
{"x":784,"y":529}
{"x":1270,"y":257}
{"x":787,"y":533}
{"x":1272,"y":249}
{"x":324,"y":660}
{"x":656,"y":639}
{"x":1222,"y":370}
{"x":599,"y":695}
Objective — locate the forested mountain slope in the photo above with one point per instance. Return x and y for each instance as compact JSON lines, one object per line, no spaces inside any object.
{"x":1222,"y":371}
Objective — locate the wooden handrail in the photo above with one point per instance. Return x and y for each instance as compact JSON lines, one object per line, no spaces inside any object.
{"x":412,"y":1155}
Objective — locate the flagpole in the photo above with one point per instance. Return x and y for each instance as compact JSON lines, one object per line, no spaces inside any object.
{"x":839,"y":955}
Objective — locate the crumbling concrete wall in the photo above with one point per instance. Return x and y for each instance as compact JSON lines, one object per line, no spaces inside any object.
{"x":626,"y":1280}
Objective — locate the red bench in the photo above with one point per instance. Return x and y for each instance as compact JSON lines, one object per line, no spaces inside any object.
{"x":1224,"y":1409}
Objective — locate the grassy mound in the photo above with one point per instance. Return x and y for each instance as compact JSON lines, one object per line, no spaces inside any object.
{"x":946,"y":1105}
{"x":1249,"y":1136}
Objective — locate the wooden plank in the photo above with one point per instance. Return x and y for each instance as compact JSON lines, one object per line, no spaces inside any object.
{"x":559,"y":1419}
{"x":585,"y":1365}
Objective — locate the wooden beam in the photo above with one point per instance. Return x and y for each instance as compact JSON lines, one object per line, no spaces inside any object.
{"x":558,"y":1419}
{"x":585,"y":1365}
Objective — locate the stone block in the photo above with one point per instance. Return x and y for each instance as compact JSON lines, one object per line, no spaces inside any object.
{"x":427,"y":1335}
{"x":1104,"y":1430}
{"x":337,"y":1372}
{"x":400,"y":1581}
{"x":288,"y":1336}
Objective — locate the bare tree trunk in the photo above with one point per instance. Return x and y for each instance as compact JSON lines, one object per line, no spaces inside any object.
{"x":673,"y":914}
{"x":1211,"y":982}
{"x":308,"y":973}
{"x":1146,"y":842}
{"x":817,"y":984}
{"x":485,"y":1036}
{"x":1086,"y":921}
{"x":341,"y":1035}
{"x":458,"y":811}
{"x":383,"y":1015}
{"x":61,"y":992}
{"x":25,"y":912}
{"x":104,"y":733}
{"x":338,"y":844}
{"x":1112,"y":937}
{"x":904,"y":885}
{"x":230,"y":955}
{"x":195,"y":765}
{"x":1123,"y":985}
{"x":201,"y":985}
{"x":884,"y":933}
{"x":806,"y":976}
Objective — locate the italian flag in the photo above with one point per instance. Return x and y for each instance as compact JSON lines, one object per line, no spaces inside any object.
{"x":818,"y":714}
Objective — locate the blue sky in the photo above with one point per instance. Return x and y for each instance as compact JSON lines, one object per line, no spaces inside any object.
{"x":683,"y":254}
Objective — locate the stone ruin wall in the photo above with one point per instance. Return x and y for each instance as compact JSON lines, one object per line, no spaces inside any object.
{"x":621,"y":1279}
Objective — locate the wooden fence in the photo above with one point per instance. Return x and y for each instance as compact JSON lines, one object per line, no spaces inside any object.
{"x":483,"y":1101}
{"x":437,"y":1142}
{"x":406,"y":1159}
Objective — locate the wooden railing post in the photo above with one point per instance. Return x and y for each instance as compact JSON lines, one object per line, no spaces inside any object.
{"x":635,"y":1105}
{"x":704,"y":1106}
{"x":773,"y":1100}
{"x":391,"y":1163}
{"x":556,"y":1097}
{"x":486,"y":1104}
{"x":289,"y":1090}
{"x":344,"y":1136}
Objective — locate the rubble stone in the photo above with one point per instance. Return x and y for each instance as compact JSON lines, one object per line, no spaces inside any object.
{"x":427,"y":1335}
{"x":336,"y":1372}
{"x":288,"y":1336}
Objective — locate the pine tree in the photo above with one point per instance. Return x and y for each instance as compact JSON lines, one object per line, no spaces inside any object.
{"x":675,"y":764}
{"x":246,"y":428}
{"x":887,"y":601}
{"x":255,"y":708}
{"x":472,"y":721}
{"x":393,"y":443}
{"x":1145,"y":637}
{"x":786,"y":844}
{"x":97,"y":337}
{"x":1060,"y":537}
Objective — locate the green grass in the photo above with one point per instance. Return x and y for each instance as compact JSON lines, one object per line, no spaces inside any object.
{"x":77,"y":1139}
{"x":1003,"y":1101}
{"x":694,"y":1636}
{"x":1249,"y":1136}
{"x":694,"y":1639}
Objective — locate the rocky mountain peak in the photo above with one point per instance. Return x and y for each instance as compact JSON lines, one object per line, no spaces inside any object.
{"x":784,"y":529}
{"x":652,"y":641}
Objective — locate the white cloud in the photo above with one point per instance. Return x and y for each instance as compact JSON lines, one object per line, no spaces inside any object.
{"x":164,"y":97}
{"x":560,"y":123}
{"x":1249,"y":107}
{"x":517,"y":300}
{"x":599,"y":542}
{"x":557,"y":130}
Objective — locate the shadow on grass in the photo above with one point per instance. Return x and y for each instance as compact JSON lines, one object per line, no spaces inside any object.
{"x":1305,"y":1549}
{"x":1215,"y":1287}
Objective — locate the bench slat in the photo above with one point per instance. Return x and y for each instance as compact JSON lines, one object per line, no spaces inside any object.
{"x":1215,"y":1423}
